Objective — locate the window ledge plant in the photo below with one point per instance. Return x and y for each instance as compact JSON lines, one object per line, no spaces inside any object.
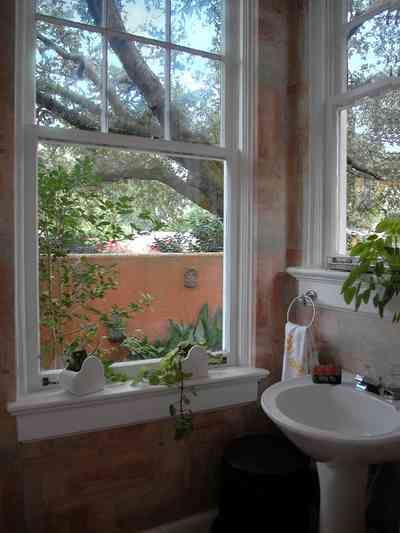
{"x":170,"y":372}
{"x":376,"y":278}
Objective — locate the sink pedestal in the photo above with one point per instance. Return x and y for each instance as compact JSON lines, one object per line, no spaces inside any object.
{"x":343,"y":497}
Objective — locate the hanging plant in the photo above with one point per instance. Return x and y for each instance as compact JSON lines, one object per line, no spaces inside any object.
{"x":170,"y":372}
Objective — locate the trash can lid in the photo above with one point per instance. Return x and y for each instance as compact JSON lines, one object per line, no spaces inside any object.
{"x":263,"y":454}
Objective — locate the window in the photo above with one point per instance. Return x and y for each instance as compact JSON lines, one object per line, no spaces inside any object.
{"x":129,"y":126}
{"x":355,"y":128}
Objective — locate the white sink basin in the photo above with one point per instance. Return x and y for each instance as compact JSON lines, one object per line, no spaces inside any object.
{"x":344,"y":430}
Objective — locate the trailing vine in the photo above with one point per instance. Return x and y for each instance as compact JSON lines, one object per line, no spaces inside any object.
{"x":170,"y":372}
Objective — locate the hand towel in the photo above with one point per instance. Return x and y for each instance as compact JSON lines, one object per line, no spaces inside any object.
{"x":299,"y":357}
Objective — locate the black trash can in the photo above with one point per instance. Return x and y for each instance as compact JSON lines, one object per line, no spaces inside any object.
{"x":267,"y":481}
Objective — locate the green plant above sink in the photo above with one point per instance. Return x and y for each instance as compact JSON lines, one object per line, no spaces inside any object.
{"x":377,"y":276}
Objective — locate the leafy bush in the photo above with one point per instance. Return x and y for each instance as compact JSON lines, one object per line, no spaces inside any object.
{"x":173,"y":244}
{"x":141,"y":348}
{"x":205,"y":331}
{"x":207,"y":231}
{"x":199,"y":232}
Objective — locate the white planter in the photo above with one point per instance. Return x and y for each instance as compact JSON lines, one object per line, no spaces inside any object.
{"x":196,"y":363}
{"x":88,"y":380}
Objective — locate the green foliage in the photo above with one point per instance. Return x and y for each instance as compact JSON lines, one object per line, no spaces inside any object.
{"x":205,"y":331}
{"x":73,"y":210}
{"x":377,"y":276}
{"x":111,"y":375}
{"x":207,"y":231}
{"x":173,"y":244}
{"x":199,"y":231}
{"x":142,"y":348}
{"x":115,"y":321}
{"x":170,"y":372}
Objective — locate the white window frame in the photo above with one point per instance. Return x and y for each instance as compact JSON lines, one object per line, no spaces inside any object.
{"x":324,"y":209}
{"x":325,"y":194}
{"x":237,"y":152}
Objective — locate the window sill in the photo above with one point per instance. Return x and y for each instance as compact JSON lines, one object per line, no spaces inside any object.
{"x":55,"y":413}
{"x":327,"y":284}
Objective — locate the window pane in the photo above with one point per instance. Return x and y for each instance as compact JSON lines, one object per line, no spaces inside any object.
{"x":115,"y":225}
{"x":140,"y":17}
{"x":198,"y":24}
{"x":75,"y":10}
{"x":358,"y":7}
{"x":374,"y":49}
{"x":136,"y":88}
{"x":373,"y":163}
{"x":196,"y":98}
{"x":68,"y":77}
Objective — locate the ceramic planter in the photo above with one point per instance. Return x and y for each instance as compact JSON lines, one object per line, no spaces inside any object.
{"x":196,"y":363}
{"x":88,"y":380}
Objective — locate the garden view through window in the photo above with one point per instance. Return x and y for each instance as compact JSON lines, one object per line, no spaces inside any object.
{"x":131,"y":239}
{"x":373,"y":121}
{"x":128,"y":267}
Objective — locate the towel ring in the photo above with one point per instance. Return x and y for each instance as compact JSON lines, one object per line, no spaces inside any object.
{"x":308,"y":297}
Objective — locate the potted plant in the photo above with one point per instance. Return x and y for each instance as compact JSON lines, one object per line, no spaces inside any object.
{"x":376,"y":278}
{"x":87,"y":371}
{"x":115,"y":323}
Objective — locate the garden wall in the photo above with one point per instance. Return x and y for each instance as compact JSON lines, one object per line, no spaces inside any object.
{"x":162,"y":276}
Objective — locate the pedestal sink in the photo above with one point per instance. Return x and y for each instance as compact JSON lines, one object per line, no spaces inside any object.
{"x":344,"y":430}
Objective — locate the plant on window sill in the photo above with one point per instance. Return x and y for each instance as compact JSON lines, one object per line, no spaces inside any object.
{"x":377,"y":276}
{"x":170,"y":372}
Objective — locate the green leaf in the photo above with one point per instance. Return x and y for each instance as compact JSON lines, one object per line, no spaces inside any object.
{"x":349,"y":294}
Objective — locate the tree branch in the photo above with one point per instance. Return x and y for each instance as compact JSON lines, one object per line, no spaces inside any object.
{"x":70,"y":116}
{"x":49,"y":88}
{"x":77,"y":118}
{"x":365,"y":172}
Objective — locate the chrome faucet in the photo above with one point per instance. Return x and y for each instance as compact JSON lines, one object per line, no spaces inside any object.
{"x":366,"y":383}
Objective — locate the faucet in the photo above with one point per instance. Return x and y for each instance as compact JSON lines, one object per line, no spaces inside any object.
{"x":366,"y":383}
{"x":369,"y":384}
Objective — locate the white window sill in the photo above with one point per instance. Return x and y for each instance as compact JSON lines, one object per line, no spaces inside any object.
{"x":327,"y":284}
{"x":55,"y":413}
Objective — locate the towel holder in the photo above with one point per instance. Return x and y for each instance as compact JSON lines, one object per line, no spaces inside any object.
{"x":308,"y":297}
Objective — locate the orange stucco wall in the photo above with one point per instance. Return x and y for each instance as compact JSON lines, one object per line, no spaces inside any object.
{"x":162,"y":276}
